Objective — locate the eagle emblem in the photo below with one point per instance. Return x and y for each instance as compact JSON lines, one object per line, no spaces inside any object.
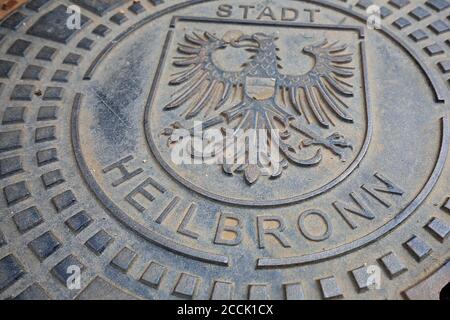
{"x":261,"y":96}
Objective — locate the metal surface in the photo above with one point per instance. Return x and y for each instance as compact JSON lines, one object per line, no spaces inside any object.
{"x":355,"y":205}
{"x":9,"y":6}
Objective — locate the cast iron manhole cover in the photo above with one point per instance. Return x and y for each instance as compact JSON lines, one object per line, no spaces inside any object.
{"x":124,"y":173}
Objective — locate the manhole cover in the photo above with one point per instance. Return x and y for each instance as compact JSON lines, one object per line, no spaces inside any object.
{"x":225,"y":149}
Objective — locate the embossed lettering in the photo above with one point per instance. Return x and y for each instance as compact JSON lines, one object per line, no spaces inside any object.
{"x":375,"y":190}
{"x":274,"y":226}
{"x":140,"y":189}
{"x":184,"y":223}
{"x":267,"y":12}
{"x":289,"y":14}
{"x":228,"y":230}
{"x":312,"y":13}
{"x":167,"y":210}
{"x":245,"y":10}
{"x":126,"y":175}
{"x":363,"y":209}
{"x":224,"y":10}
{"x":304,"y":230}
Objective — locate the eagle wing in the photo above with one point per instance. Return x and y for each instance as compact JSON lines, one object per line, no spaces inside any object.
{"x":205,"y":83}
{"x":323,"y":86}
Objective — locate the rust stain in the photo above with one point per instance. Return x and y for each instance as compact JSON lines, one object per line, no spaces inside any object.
{"x":9,"y":6}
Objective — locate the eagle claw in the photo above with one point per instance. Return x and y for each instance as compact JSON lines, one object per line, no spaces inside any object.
{"x":172,"y":133}
{"x":336,"y":143}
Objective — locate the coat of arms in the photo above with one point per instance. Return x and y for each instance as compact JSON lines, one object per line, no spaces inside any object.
{"x":294,"y":110}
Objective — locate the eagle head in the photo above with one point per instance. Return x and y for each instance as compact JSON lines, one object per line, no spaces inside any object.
{"x":237,"y":39}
